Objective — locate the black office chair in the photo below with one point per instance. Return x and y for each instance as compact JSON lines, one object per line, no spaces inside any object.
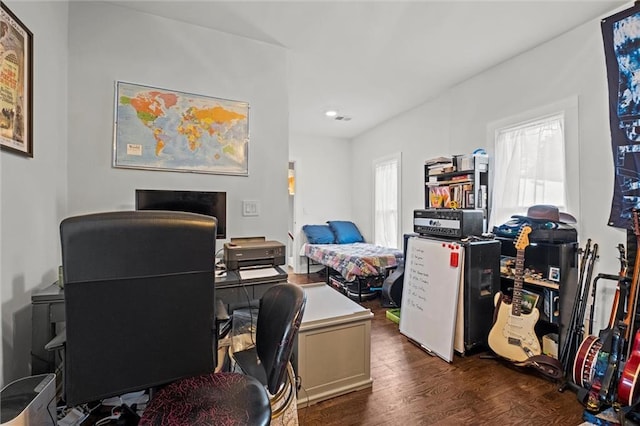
{"x":279,"y":317}
{"x":139,"y":300}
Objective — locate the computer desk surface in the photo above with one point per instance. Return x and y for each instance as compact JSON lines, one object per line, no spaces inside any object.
{"x":245,"y":287}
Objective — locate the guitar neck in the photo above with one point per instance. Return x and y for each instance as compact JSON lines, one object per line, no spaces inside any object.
{"x":629,"y":319}
{"x":516,"y":305}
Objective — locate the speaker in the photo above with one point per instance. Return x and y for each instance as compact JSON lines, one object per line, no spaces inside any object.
{"x":481,"y":282}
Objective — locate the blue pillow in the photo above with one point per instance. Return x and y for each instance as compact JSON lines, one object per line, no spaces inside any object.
{"x":346,"y":232}
{"x":319,"y":234}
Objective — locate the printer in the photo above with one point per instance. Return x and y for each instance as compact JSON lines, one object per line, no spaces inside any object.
{"x":253,"y":251}
{"x":29,"y":401}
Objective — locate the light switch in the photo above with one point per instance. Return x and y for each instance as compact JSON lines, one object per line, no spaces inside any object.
{"x":250,"y":208}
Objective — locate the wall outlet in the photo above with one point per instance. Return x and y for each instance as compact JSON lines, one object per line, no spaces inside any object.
{"x":250,"y":208}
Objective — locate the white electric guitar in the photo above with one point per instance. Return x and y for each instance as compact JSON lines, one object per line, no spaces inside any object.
{"x":513,"y":336}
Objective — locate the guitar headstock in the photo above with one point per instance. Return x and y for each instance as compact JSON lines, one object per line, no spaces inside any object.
{"x":523,"y":238}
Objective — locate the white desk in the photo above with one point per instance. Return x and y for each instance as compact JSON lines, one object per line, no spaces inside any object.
{"x":334,"y":346}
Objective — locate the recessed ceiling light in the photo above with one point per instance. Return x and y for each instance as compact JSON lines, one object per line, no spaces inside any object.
{"x":331,"y":113}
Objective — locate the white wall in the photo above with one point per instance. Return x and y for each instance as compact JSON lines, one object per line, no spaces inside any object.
{"x":419,"y":134}
{"x":92,"y":45}
{"x":323,"y":185}
{"x":571,"y":66}
{"x":33,"y":190}
{"x":109,"y":43}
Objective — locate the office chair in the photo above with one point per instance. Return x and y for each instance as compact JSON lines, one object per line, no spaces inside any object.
{"x":268,"y":361}
{"x":139,"y":306}
{"x":279,"y":317}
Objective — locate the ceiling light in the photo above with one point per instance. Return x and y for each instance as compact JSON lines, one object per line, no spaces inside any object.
{"x":331,"y":113}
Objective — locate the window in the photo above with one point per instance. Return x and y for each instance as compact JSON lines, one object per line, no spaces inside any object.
{"x":529,"y":167}
{"x":387,"y":201}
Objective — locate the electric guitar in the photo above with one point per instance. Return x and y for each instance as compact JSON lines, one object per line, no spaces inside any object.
{"x":622,"y":274}
{"x":606,"y":369}
{"x":627,"y":383}
{"x":632,"y":301}
{"x":614,"y":336}
{"x":512,"y":336}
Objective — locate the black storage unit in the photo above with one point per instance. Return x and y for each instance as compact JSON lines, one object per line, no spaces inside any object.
{"x":551,"y":270}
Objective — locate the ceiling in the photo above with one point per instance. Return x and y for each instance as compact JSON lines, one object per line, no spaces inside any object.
{"x":372,"y":60}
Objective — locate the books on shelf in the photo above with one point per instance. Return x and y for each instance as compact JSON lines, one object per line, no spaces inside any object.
{"x":438,"y":160}
{"x":439,"y":197}
{"x":439,"y":165}
{"x":458,"y":178}
{"x":458,"y":196}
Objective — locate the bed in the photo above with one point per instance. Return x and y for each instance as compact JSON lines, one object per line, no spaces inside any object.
{"x":353,"y":266}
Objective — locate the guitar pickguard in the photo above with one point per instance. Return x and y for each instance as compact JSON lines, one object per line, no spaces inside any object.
{"x":513,"y":337}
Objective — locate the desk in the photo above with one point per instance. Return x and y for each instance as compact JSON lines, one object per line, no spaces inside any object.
{"x":47,"y":309}
{"x":334,"y":346}
{"x":237,"y":291}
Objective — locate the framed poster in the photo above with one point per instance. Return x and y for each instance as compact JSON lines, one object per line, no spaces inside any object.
{"x":16,"y":84}
{"x":162,"y":129}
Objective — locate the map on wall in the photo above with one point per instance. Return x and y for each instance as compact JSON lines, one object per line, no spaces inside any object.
{"x":160,"y":129}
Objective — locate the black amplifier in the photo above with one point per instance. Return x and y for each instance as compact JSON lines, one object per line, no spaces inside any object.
{"x":449,"y":223}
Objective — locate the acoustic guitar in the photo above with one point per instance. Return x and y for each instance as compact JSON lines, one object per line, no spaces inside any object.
{"x":512,"y":336}
{"x":627,"y":383}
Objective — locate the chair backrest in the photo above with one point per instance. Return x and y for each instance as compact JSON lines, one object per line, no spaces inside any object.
{"x":139,"y":300}
{"x":279,"y":318}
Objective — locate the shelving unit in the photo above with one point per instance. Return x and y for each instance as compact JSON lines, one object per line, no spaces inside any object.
{"x":551,"y":272}
{"x":463,"y":183}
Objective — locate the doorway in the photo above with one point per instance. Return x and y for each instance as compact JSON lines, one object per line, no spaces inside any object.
{"x":292,"y":214}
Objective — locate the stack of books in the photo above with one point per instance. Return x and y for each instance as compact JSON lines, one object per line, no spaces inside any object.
{"x":439,"y":165}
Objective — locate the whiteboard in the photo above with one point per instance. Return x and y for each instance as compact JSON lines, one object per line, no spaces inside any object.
{"x":430,"y":294}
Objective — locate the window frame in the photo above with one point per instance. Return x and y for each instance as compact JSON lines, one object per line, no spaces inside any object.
{"x":397,"y":158}
{"x":569,"y":108}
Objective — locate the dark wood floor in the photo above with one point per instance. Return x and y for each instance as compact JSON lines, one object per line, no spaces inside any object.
{"x":412,"y":388}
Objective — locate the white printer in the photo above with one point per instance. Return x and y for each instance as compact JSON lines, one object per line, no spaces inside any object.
{"x":30,"y":401}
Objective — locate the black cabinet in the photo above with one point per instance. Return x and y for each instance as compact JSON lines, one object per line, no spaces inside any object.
{"x":551,"y":273}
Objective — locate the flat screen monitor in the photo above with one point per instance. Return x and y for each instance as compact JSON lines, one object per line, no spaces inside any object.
{"x":203,"y":202}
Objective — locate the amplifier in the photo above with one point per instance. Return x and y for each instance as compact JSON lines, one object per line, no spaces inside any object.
{"x":448,"y":223}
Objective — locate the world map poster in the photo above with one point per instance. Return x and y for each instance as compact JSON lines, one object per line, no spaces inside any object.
{"x":160,"y":129}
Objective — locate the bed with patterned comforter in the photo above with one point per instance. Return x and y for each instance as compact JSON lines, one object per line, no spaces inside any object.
{"x":354,"y":260}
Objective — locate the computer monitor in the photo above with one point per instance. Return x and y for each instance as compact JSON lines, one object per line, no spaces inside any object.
{"x":210,"y":203}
